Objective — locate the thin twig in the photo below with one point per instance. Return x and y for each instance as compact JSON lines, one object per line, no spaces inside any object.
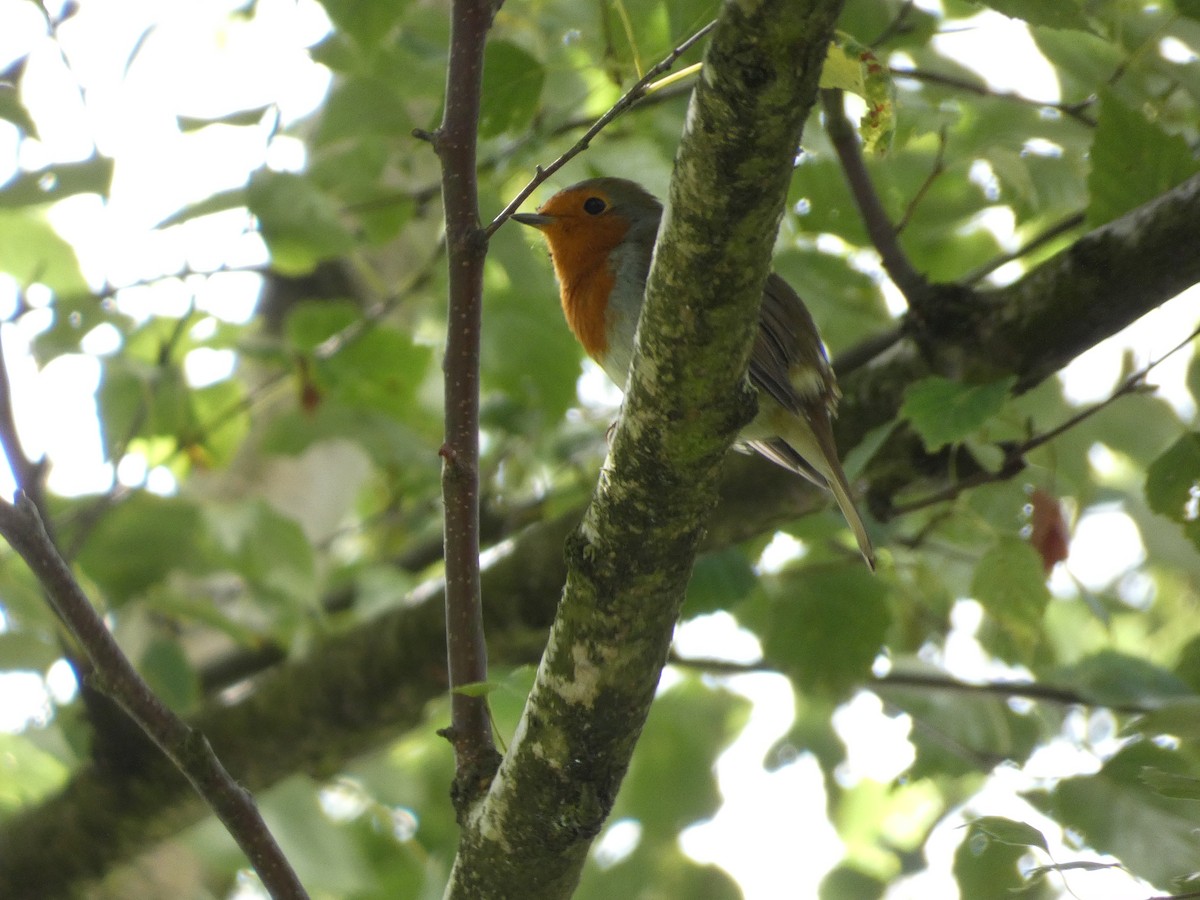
{"x":939,"y":166}
{"x":1056,"y":230}
{"x":879,"y":227}
{"x":1030,"y":690}
{"x":189,"y":750}
{"x":1015,"y":453}
{"x":632,"y":96}
{"x":1074,"y":110}
{"x":895,"y":26}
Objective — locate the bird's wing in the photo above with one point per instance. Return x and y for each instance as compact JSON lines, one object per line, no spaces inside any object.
{"x":788,"y":360}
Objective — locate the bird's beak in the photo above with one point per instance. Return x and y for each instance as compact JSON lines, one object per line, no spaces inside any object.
{"x":535,"y":220}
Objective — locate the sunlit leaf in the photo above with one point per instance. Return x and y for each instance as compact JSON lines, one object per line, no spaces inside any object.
{"x":14,"y":111}
{"x":1173,"y":480}
{"x":1062,"y":14}
{"x":91,"y":176}
{"x":1009,"y":831}
{"x":1153,"y":835}
{"x":1010,"y":584}
{"x":33,"y":253}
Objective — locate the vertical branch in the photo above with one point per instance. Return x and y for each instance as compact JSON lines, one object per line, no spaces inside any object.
{"x":455,"y":144}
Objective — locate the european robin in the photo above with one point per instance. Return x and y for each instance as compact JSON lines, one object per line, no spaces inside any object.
{"x":601,"y":235}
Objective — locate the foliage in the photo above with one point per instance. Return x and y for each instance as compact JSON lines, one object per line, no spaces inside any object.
{"x":293,"y":498}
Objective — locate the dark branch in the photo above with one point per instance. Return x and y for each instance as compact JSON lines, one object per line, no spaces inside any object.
{"x":880,"y":228}
{"x":455,"y":142}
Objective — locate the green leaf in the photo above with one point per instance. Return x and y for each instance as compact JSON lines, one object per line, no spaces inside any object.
{"x":166,"y":669}
{"x":1009,"y":831}
{"x":74,"y":317}
{"x":299,"y":223}
{"x":361,"y":107}
{"x":1169,"y":784}
{"x":955,"y":734}
{"x":846,"y":882}
{"x":32,"y":252}
{"x":1116,"y":812}
{"x":14,"y":111}
{"x":1111,"y":678}
{"x":825,"y":626}
{"x":380,"y":370}
{"x":214,"y":203}
{"x":512,"y":86}
{"x":1010,"y":584}
{"x":853,"y":67}
{"x":365,"y":20}
{"x":222,"y":421}
{"x":945,"y":411}
{"x":136,"y":544}
{"x":1189,"y":8}
{"x":719,"y":580}
{"x":1173,"y":480}
{"x":270,"y":550}
{"x":240,"y":118}
{"x":90,"y":176}
{"x":313,"y":322}
{"x":1178,"y":718}
{"x":671,"y":782}
{"x":1059,"y":14}
{"x":28,"y":651}
{"x":1133,"y":161}
{"x":984,"y":867}
{"x":1081,"y":61}
{"x":27,"y":774}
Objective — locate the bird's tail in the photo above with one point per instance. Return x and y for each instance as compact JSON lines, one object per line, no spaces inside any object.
{"x":841,"y":493}
{"x":827,"y":474}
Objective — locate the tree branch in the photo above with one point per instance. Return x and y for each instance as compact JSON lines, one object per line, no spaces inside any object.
{"x":686,"y":398}
{"x":470,"y":728}
{"x":912,"y":284}
{"x":187,"y":749}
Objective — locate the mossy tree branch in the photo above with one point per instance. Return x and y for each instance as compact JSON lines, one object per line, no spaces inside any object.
{"x":630,"y":559}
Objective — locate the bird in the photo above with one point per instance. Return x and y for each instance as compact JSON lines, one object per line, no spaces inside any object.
{"x":601,"y":234}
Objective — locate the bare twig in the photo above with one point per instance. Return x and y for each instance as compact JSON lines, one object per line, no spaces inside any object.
{"x":1056,"y":230}
{"x":632,"y":96}
{"x":455,"y":142}
{"x":939,"y":166}
{"x":1030,"y":690}
{"x":1077,"y":111}
{"x":883,"y":234}
{"x":894,"y":27}
{"x":189,"y":750}
{"x":27,"y":474}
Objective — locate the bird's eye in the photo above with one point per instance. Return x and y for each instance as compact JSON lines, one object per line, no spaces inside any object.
{"x":593,"y":206}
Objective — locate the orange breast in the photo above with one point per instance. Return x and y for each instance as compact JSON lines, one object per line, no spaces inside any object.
{"x":581,"y":251}
{"x":585,"y":304}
